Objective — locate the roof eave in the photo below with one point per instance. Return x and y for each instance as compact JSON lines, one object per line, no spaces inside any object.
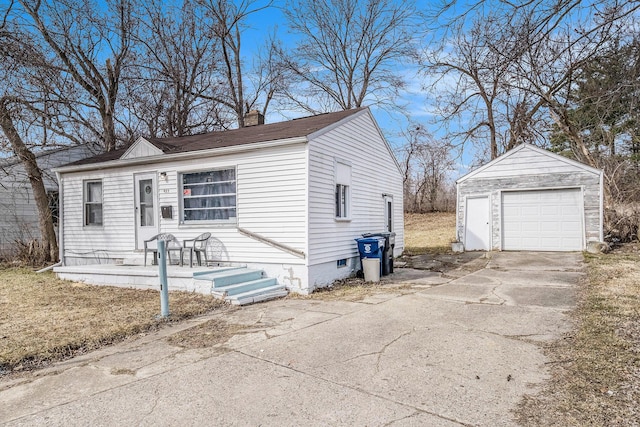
{"x":164,"y":158}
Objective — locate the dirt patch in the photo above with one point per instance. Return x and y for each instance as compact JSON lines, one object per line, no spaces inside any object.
{"x":595,"y":369}
{"x":208,"y":334}
{"x":351,"y":289}
{"x":428,"y":240}
{"x":449,"y":264}
{"x":44,"y":319}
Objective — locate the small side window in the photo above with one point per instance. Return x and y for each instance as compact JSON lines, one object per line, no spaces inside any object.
{"x":93,"y":202}
{"x":342,"y":196}
{"x":342,"y":263}
{"x":343,"y":190}
{"x":388,"y":212}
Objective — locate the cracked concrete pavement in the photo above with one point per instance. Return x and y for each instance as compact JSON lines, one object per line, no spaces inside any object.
{"x":453,"y":349}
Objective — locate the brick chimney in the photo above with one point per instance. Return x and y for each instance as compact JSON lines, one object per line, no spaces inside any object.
{"x":253,"y":118}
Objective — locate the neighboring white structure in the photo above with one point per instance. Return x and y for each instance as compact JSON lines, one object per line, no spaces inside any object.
{"x":288,"y":198}
{"x":530,"y":199}
{"x":17,"y":207}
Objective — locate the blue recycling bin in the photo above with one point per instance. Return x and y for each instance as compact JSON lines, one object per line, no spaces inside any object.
{"x":387,"y":252}
{"x":371,"y":247}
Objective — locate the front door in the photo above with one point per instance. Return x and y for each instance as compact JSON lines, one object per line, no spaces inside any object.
{"x":476,"y":236}
{"x":146,"y":208}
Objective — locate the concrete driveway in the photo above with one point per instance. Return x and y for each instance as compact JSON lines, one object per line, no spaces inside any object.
{"x":430,"y":349}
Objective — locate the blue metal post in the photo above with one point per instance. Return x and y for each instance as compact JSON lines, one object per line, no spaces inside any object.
{"x":164,"y":286}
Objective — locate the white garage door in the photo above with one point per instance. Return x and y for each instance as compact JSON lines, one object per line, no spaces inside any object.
{"x":544,"y":220}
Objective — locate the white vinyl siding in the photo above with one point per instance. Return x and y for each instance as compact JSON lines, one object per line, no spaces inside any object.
{"x":142,"y":148}
{"x":526,"y":162}
{"x":116,"y":237}
{"x":374,"y":173}
{"x":271,"y":201}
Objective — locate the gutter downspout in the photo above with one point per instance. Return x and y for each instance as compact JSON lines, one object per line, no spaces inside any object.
{"x":57,"y":264}
{"x":601,"y":206}
{"x":60,"y":219}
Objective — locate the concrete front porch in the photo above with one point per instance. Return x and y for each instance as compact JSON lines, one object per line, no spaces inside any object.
{"x":236,"y":284}
{"x":135,"y":276}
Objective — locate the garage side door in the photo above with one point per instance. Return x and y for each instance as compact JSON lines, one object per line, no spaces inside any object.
{"x":542,"y":220}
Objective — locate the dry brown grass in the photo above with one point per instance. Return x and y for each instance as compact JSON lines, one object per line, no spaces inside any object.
{"x":43,"y":319}
{"x":596,"y":368}
{"x":429,"y":233}
{"x":208,"y":334}
{"x":350,"y":289}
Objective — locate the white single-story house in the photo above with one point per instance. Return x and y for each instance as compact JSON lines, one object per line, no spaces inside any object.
{"x":530,"y":199}
{"x":17,"y":206}
{"x":288,"y":198}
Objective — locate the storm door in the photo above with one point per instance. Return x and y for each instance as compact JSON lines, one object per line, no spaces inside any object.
{"x":146,"y":209}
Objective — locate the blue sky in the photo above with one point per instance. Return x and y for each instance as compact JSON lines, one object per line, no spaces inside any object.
{"x":391,"y":120}
{"x":262,"y":24}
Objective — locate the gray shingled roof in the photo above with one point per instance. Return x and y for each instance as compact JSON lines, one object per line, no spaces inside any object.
{"x":248,"y":135}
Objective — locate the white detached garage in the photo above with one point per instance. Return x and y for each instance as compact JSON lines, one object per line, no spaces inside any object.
{"x":530,"y":199}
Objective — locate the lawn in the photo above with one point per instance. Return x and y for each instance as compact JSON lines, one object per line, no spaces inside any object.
{"x":429,"y":233}
{"x":44,"y":319}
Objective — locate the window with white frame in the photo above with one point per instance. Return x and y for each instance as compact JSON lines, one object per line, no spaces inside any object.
{"x":343,"y":190}
{"x":93,"y":202}
{"x":209,"y":195}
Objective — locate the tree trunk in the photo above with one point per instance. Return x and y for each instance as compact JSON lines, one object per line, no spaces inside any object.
{"x":28,"y":159}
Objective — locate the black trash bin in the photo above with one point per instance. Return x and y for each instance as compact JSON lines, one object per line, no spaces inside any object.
{"x":387,"y":252}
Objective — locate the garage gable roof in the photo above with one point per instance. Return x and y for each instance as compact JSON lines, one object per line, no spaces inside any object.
{"x":544,"y":160}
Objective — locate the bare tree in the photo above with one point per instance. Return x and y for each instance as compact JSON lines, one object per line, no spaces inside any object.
{"x":22,"y":61}
{"x":479,"y":99}
{"x":175,"y":66}
{"x":427,"y":167}
{"x":349,"y":53}
{"x":52,"y":53}
{"x":49,"y":244}
{"x":540,"y":46}
{"x":242,"y":87}
{"x":91,"y":45}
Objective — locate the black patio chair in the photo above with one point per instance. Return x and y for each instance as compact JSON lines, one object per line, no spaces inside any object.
{"x":171,"y":245}
{"x":199,"y":247}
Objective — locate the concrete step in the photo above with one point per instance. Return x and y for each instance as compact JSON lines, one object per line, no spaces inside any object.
{"x":258,"y":295}
{"x":241,"y":285}
{"x":198,"y":275}
{"x":239,"y":288}
{"x":234,"y":276}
